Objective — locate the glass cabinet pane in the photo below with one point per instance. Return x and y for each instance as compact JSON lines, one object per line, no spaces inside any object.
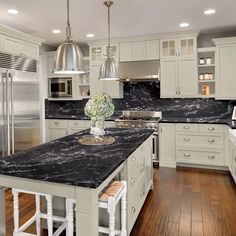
{"x":168,"y":48}
{"x":96,"y":53}
{"x":187,"y":47}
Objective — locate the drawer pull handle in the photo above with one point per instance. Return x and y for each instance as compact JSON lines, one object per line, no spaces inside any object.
{"x":56,"y":123}
{"x":211,"y":128}
{"x":186,"y":127}
{"x":133,"y":158}
{"x":132,"y":180}
{"x":211,"y":140}
{"x":211,"y":156}
{"x":187,"y":139}
{"x":133,"y":210}
{"x":186,"y":154}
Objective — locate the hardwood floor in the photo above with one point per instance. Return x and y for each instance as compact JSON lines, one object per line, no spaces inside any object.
{"x":183,"y":202}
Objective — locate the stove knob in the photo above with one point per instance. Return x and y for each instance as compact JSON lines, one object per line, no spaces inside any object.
{"x":132,"y":126}
{"x":126,"y":125}
{"x":151,"y":126}
{"x":139,"y":126}
{"x":156,"y":126}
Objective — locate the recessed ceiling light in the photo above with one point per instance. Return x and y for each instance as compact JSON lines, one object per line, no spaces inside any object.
{"x":90,"y":35}
{"x":210,"y":11}
{"x":12,"y":11}
{"x":56,"y":31}
{"x":184,"y":24}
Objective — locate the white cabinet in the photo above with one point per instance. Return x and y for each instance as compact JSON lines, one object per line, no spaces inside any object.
{"x":139,"y":51}
{"x":152,"y":49}
{"x":179,"y":67}
{"x":20,"y":47}
{"x":225,"y":69}
{"x":56,"y":129}
{"x":50,"y":64}
{"x":1,"y":43}
{"x":167,"y":145}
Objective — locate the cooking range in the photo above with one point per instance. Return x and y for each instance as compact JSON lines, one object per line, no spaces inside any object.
{"x":143,"y":119}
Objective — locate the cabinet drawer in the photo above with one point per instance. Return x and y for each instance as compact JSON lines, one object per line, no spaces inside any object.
{"x":209,"y":128}
{"x":135,"y":158}
{"x":185,"y":127}
{"x":200,"y":141}
{"x":200,"y":157}
{"x":135,"y":175}
{"x":57,"y":123}
{"x":135,"y":203}
{"x":76,"y":123}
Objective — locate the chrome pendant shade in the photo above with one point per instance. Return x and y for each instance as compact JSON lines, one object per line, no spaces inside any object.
{"x":68,"y":58}
{"x":109,"y":68}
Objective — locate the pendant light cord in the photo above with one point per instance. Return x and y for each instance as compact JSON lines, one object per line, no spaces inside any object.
{"x":68,"y":28}
{"x":109,"y":33}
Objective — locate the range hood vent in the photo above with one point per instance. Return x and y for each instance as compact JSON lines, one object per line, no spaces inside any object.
{"x":139,"y":71}
{"x":15,"y":62}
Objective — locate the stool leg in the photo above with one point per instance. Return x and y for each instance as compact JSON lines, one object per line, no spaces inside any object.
{"x":123,"y":216}
{"x":16,"y":211}
{"x":38,"y":222}
{"x":49,"y":215}
{"x":111,"y":211}
{"x":69,"y":217}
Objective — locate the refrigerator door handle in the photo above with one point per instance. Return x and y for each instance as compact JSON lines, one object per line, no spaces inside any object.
{"x":12,"y":114}
{"x":8,"y":114}
{"x":3,"y":79}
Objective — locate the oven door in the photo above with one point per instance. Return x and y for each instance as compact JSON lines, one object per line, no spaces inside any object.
{"x":60,"y":87}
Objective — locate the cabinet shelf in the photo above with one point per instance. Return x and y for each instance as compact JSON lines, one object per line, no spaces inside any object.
{"x":206,"y":81}
{"x":207,"y":65}
{"x":209,"y":49}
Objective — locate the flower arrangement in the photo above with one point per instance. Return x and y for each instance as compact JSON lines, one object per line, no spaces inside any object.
{"x":97,"y":108}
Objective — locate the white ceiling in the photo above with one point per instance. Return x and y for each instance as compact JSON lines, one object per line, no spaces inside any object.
{"x":129,"y":17}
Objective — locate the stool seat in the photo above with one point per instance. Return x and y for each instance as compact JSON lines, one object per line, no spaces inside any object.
{"x":111,"y":190}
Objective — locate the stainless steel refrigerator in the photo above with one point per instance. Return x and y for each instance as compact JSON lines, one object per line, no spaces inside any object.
{"x":19,"y":104}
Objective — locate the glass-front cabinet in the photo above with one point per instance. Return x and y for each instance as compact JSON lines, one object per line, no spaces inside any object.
{"x":168,"y":48}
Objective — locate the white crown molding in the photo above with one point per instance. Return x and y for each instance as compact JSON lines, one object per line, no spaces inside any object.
{"x":226,"y":40}
{"x":5,"y":30}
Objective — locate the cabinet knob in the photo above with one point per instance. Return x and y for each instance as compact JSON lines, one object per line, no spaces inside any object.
{"x":132,"y":180}
{"x":141,"y":168}
{"x":211,"y":156}
{"x":211,"y":128}
{"x":142,"y":149}
{"x":142,"y":192}
{"x":133,"y":158}
{"x":186,"y":154}
{"x":187,"y":139}
{"x":56,"y":123}
{"x":211,"y":140}
{"x":133,"y":210}
{"x":186,"y":127}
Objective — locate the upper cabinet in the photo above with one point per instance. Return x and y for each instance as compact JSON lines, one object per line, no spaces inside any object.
{"x":139,"y":50}
{"x":225,"y":68}
{"x":20,"y":47}
{"x":179,"y":67}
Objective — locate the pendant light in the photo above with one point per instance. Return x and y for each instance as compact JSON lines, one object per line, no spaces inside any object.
{"x":68,"y":58}
{"x":109,"y":68}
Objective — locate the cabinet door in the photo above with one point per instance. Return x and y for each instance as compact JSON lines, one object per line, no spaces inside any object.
{"x":138,"y":51}
{"x":20,"y":47}
{"x":187,"y":48}
{"x":168,"y":49}
{"x":226,"y":72}
{"x":96,"y":86}
{"x":50,"y":65}
{"x":55,"y":133}
{"x":125,"y":52}
{"x":168,"y":80}
{"x":152,"y":50}
{"x":167,"y":145}
{"x":96,"y":54}
{"x":187,"y":77}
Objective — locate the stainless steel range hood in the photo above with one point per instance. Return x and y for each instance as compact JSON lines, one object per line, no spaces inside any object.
{"x":139,"y":71}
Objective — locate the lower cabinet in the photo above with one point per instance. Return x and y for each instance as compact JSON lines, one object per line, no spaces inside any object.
{"x":60,"y":128}
{"x":232,"y":156}
{"x":167,"y":145}
{"x":193,"y":144}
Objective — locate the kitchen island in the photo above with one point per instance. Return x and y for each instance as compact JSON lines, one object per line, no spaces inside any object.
{"x":68,"y":169}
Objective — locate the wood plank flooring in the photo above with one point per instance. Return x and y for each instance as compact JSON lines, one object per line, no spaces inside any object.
{"x":183,"y":202}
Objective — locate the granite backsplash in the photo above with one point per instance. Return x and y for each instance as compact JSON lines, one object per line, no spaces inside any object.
{"x":146,"y":96}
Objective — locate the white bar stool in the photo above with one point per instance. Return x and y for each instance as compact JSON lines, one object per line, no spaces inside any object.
{"x":19,"y":231}
{"x":108,"y":199}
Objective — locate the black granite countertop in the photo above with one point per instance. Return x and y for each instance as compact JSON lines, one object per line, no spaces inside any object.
{"x":77,"y":117}
{"x":66,"y":161}
{"x":200,"y":120}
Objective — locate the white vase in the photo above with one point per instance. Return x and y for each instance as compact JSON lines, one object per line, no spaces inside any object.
{"x":97,"y":126}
